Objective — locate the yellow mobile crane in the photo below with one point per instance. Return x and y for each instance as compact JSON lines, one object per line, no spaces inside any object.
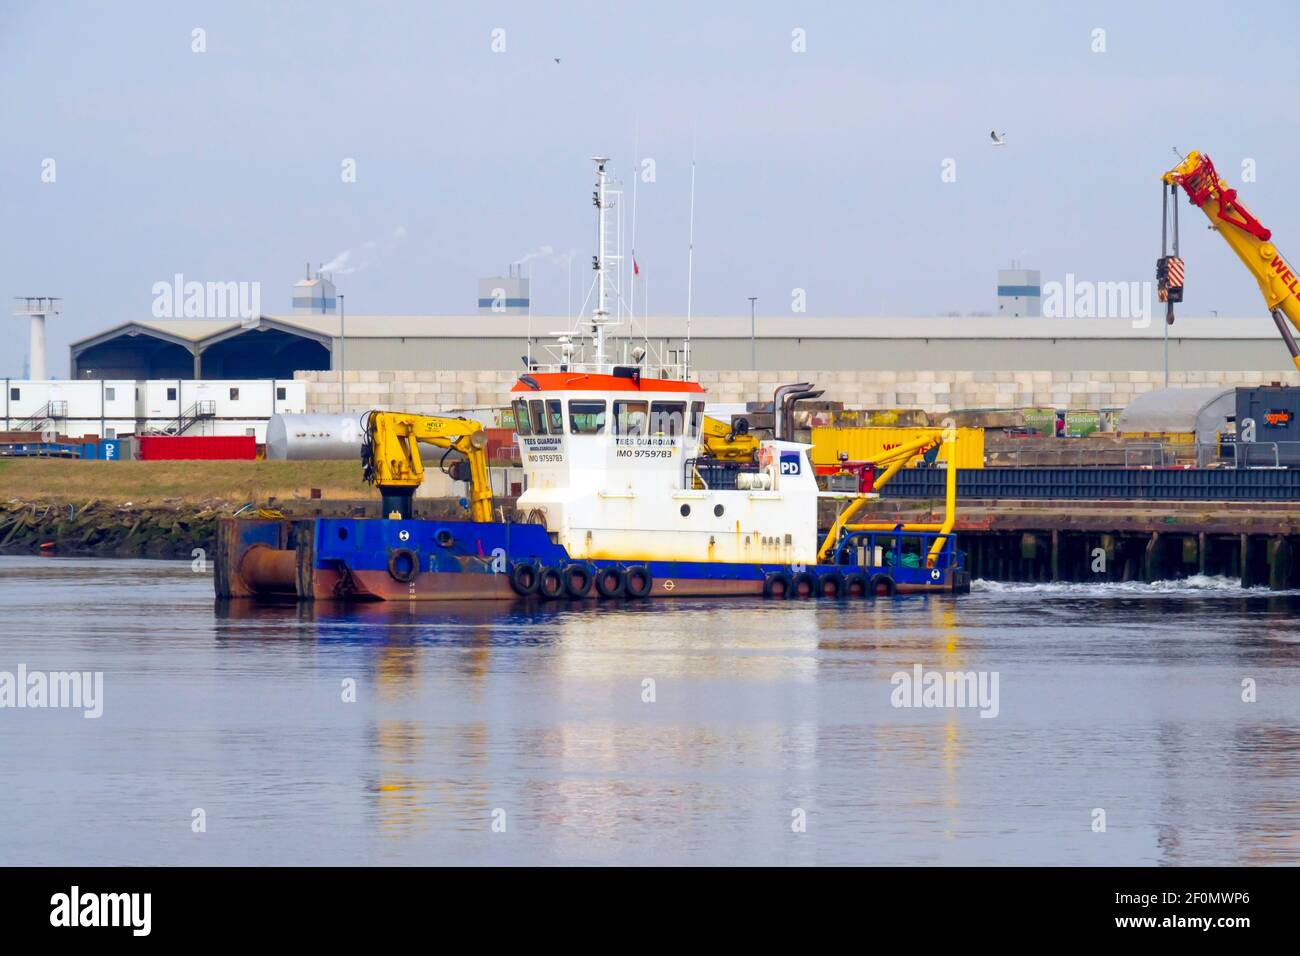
{"x":390,"y":458}
{"x":1249,"y":239}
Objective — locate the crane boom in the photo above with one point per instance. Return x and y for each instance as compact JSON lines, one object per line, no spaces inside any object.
{"x":390,"y":458}
{"x":1248,"y":238}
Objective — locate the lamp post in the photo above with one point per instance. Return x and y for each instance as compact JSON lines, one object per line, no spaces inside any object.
{"x":343,"y":354}
{"x":753,"y":345}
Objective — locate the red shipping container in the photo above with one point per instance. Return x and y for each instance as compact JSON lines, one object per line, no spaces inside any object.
{"x":196,"y":447}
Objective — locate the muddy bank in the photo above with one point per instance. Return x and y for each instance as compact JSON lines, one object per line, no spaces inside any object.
{"x":173,"y":528}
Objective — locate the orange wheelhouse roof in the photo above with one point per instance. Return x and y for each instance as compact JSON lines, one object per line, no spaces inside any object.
{"x":594,"y":382}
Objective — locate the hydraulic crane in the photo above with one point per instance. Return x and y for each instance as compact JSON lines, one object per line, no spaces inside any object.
{"x":390,"y":458}
{"x":1249,"y":239}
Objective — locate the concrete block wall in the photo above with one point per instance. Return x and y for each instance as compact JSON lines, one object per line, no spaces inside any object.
{"x":435,"y":392}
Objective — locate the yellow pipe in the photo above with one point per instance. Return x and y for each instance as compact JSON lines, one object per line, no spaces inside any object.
{"x":894,"y":526}
{"x":950,"y":503}
{"x":898,"y":459}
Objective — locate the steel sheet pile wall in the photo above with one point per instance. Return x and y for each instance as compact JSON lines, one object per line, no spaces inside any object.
{"x":1228,"y":484}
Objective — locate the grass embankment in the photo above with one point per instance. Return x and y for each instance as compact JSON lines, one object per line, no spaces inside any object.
{"x":157,"y":509}
{"x":173,"y":483}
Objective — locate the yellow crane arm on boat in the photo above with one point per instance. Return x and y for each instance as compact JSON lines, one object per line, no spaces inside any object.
{"x":391,"y":455}
{"x":1247,"y":237}
{"x":894,"y":460}
{"x":724,"y":443}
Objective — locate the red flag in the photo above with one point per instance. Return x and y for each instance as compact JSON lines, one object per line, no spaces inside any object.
{"x":636,"y":269}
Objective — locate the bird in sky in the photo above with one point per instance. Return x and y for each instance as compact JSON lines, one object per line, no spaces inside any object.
{"x":556,"y":59}
{"x":997,"y":138}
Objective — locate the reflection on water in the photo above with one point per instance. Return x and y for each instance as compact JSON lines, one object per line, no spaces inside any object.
{"x":673,"y":731}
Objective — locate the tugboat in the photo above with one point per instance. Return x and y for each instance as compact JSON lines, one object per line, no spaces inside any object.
{"x":632,"y":492}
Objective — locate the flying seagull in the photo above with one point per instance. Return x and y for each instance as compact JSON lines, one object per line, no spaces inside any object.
{"x":997,"y":138}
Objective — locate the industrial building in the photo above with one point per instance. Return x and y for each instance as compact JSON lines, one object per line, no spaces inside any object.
{"x":279,"y":346}
{"x":1019,"y":293}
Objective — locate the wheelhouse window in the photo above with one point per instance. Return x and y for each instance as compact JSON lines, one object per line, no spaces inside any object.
{"x":537,"y":416}
{"x":522,"y":425}
{"x":697,"y":419}
{"x":555,"y":416}
{"x":586,"y":418}
{"x":630,"y":417}
{"x":667,"y":418}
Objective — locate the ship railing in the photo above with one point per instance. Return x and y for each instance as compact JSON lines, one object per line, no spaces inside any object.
{"x":712,"y":474}
{"x":670,"y":372}
{"x":896,"y":548}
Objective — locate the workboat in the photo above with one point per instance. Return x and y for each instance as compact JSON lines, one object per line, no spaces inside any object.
{"x":631,"y":492}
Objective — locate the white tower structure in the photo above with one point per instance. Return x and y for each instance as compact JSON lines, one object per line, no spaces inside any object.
{"x":37,"y":307}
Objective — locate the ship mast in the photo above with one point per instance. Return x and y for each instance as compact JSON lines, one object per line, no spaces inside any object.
{"x":606,"y":261}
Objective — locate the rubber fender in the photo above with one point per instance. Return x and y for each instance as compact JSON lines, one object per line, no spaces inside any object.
{"x":830,"y":584}
{"x":524,"y":578}
{"x":803,"y":585}
{"x":403,"y":564}
{"x":577,"y":580}
{"x":637,"y":581}
{"x":776,"y":584}
{"x":855,"y":585}
{"x":609,"y":582}
{"x":550,"y":583}
{"x":882,"y":585}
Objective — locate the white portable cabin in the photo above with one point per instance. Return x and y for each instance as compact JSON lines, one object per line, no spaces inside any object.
{"x":605,"y":458}
{"x":104,"y":407}
{"x":247,"y":402}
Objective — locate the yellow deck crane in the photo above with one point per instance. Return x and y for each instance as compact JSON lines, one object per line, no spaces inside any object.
{"x":1249,"y":239}
{"x":728,"y":442}
{"x":390,"y":458}
{"x":894,"y":461}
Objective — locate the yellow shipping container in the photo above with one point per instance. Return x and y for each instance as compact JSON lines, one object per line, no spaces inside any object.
{"x":867,"y":444}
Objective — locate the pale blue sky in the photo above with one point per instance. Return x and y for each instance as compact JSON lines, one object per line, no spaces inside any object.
{"x":818,"y":170}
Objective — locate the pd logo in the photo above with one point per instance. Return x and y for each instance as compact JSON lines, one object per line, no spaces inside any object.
{"x":790,"y":462}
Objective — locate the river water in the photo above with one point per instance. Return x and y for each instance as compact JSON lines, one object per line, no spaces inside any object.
{"x":736,"y":731}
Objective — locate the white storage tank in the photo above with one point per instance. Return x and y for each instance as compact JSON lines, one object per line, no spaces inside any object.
{"x":315,"y":437}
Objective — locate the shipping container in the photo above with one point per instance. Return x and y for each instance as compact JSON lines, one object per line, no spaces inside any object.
{"x":868,"y":444}
{"x":196,"y":447}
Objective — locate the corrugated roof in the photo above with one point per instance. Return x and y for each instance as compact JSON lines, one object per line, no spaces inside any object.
{"x":727,"y":327}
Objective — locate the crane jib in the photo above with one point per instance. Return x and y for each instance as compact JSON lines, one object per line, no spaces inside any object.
{"x":1285,"y":274}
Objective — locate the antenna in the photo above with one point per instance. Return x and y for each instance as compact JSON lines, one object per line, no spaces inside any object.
{"x":631,"y":309}
{"x":690,"y":269}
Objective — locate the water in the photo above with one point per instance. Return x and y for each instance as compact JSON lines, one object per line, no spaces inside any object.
{"x":1123,"y":698}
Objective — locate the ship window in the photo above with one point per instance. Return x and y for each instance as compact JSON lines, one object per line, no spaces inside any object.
{"x":586,"y":418}
{"x":630,"y":418}
{"x":537,"y":416}
{"x":697,"y":417}
{"x":521,"y":418}
{"x":667,"y":418}
{"x":555,"y":414}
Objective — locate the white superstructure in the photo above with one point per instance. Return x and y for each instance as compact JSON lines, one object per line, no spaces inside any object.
{"x":612,"y":471}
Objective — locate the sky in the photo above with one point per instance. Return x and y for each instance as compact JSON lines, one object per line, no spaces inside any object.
{"x":818,"y":169}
